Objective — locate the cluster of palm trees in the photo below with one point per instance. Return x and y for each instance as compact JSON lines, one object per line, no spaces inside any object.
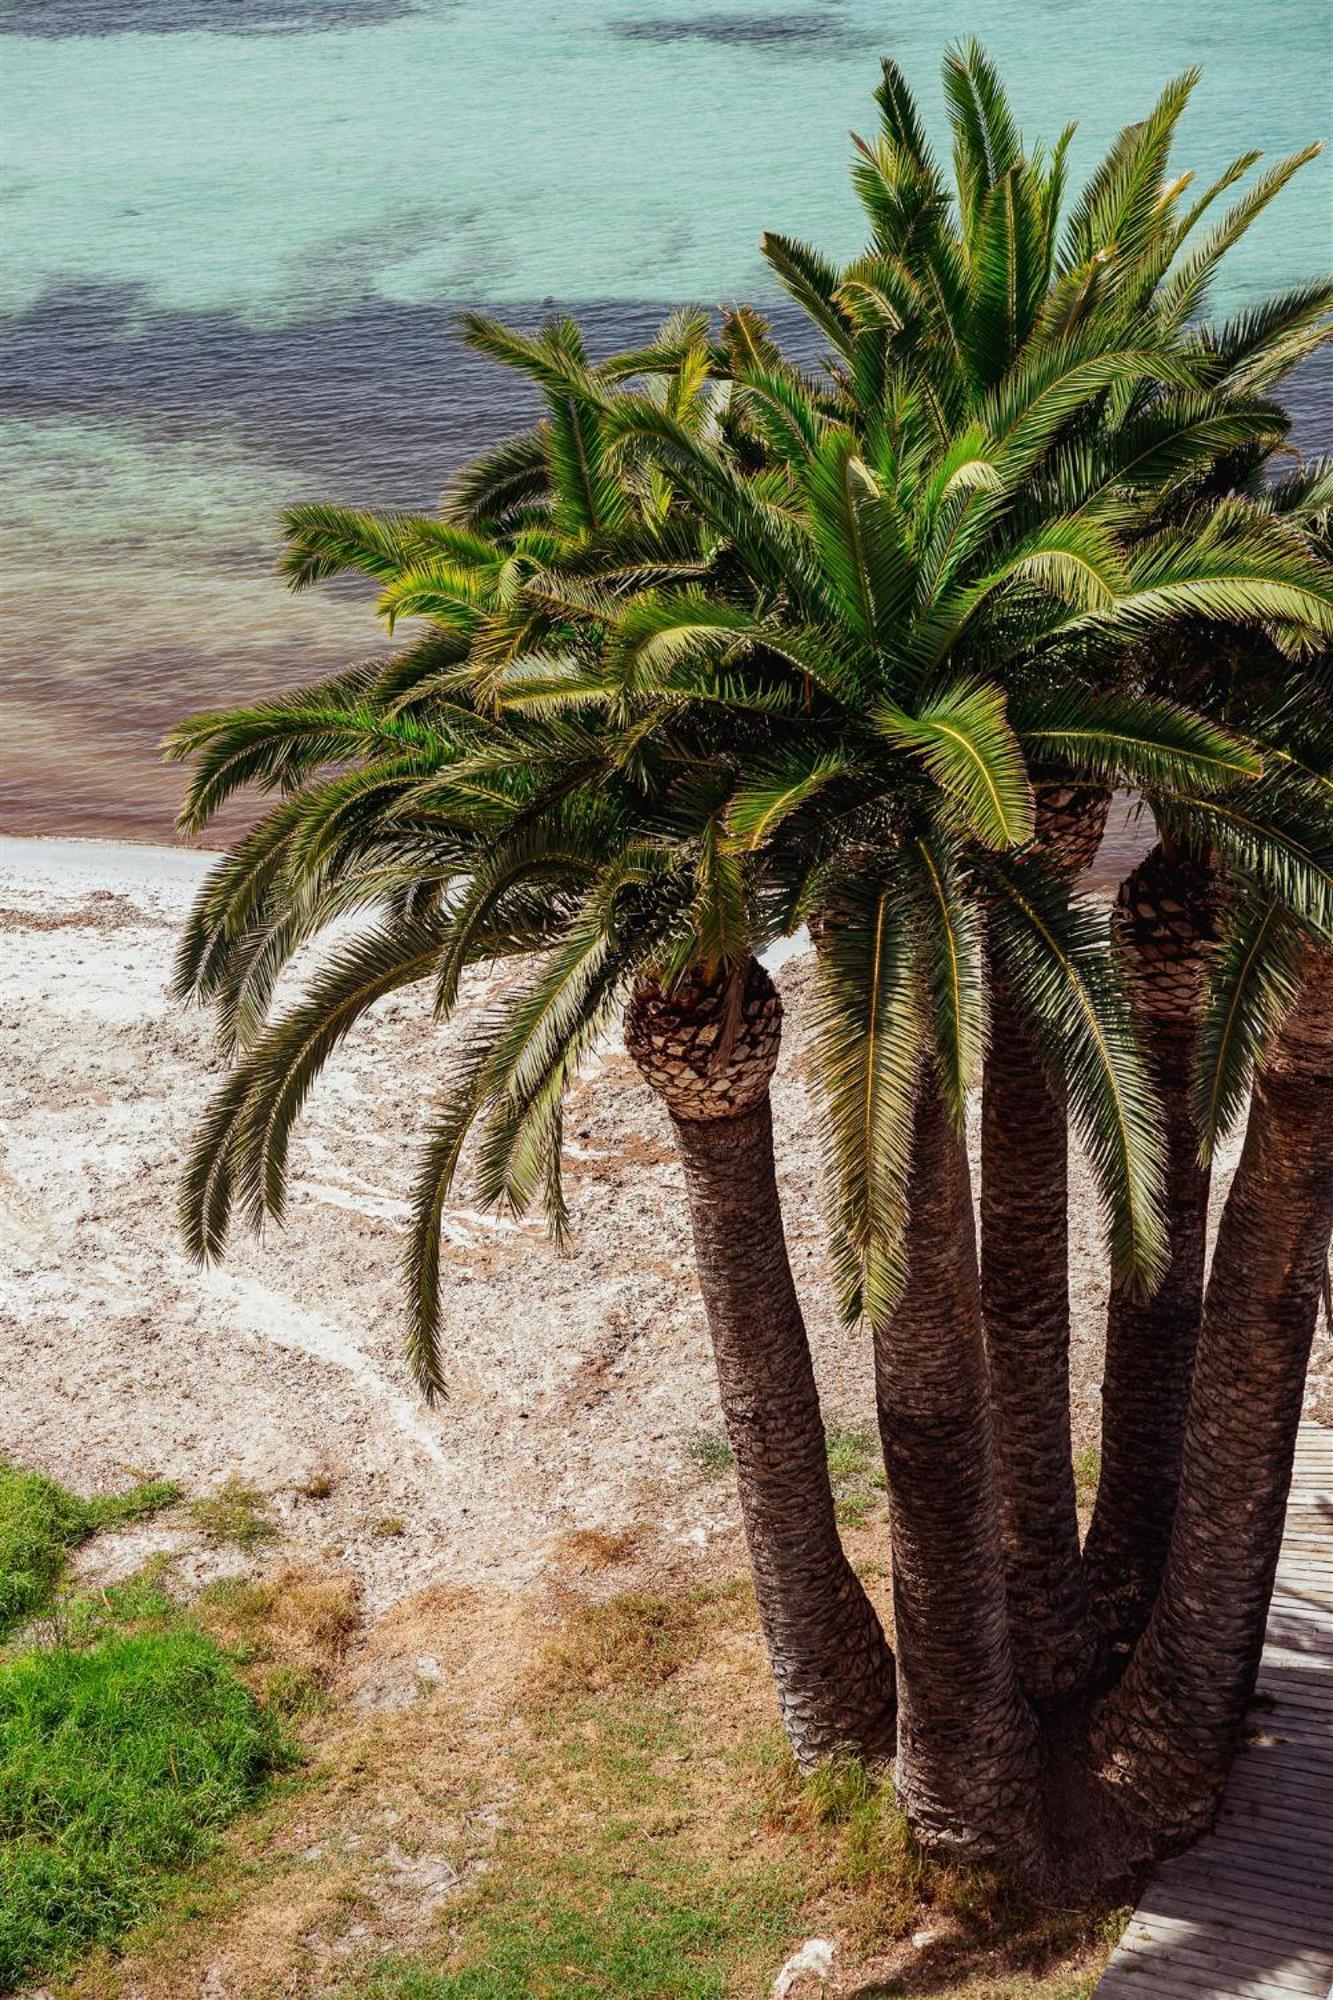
{"x":725,"y":646}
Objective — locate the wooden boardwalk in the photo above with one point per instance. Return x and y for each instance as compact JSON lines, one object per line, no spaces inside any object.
{"x":1247,"y":1914}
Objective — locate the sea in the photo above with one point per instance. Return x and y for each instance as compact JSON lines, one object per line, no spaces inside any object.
{"x":234,"y":236}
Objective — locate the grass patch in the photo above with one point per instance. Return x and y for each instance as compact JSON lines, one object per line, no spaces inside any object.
{"x":640,"y":1942}
{"x":318,"y":1485}
{"x":236,"y":1513}
{"x":117,"y":1763}
{"x":662,"y":1846}
{"x":40,"y":1522}
{"x":125,"y":1743}
{"x":639,"y":1640}
{"x":855,"y":1472}
{"x":1087,"y":1472}
{"x":852,"y":1454}
{"x":710,"y":1455}
{"x":289,"y":1632}
{"x":594,"y":1549}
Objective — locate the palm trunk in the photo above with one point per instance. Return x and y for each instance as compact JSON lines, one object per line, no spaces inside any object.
{"x":709,"y":1052}
{"x":1025,"y":1296}
{"x":967,"y":1746}
{"x":1165,"y":923}
{"x":1169,"y":1731}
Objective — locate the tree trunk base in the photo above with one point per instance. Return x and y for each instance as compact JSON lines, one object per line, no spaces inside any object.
{"x":1086,"y":1836}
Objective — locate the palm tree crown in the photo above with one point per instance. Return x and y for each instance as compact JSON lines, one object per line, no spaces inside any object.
{"x":723,"y":645}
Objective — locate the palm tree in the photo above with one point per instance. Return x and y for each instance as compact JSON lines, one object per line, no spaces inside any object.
{"x":706,"y":657}
{"x":435,"y":773}
{"x":1168,"y":1732}
{"x":1194,"y":903}
{"x":965,"y":285}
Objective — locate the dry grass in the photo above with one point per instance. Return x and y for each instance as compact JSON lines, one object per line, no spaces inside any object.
{"x":637,"y":1641}
{"x":568,"y":1804}
{"x":299,"y":1616}
{"x":589,"y":1551}
{"x":318,"y":1485}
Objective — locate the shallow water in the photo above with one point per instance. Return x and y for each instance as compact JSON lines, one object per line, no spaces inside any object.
{"x":235,"y":232}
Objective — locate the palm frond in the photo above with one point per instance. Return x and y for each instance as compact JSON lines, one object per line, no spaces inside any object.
{"x":869,"y":1041}
{"x":1054,"y":954}
{"x":954,"y":955}
{"x":964,"y":739}
{"x":860,"y":540}
{"x":1132,"y":739}
{"x":1254,"y":977}
{"x":986,"y":138}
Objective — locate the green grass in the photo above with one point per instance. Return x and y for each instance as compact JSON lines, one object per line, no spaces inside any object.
{"x":40,"y":1522}
{"x":118,"y":1763}
{"x":852,"y":1454}
{"x":711,"y":1456}
{"x":855,"y":1472}
{"x":1087,"y":1472}
{"x":236,"y":1513}
{"x":125,"y":1745}
{"x":640,"y":1943}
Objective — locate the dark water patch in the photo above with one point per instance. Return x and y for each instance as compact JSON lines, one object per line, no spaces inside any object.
{"x":739,"y":30}
{"x":381,"y":404}
{"x":58,"y":20}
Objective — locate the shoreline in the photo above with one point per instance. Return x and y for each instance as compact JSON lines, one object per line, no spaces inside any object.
{"x":73,"y":861}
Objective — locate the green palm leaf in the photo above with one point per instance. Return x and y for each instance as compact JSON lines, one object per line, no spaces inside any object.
{"x":869,"y":1041}
{"x":1254,"y":977}
{"x":1133,"y":739}
{"x":759,"y":806}
{"x":1054,"y":954}
{"x":964,"y":739}
{"x":954,"y":956}
{"x":860,"y":541}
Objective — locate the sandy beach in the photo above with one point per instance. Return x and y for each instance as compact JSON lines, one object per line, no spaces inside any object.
{"x":581,"y":1382}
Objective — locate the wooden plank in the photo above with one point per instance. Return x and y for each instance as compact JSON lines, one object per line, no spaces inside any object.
{"x":1173,"y":1937}
{"x":1246,"y":1816}
{"x":1163,"y":1967}
{"x":1246,"y":1952}
{"x":1264,"y":1759}
{"x":1139,"y":1978}
{"x":1233,"y":1926}
{"x":1312,"y":1867}
{"x":1247,"y":1914}
{"x":1269,"y":1764}
{"x":1264,"y":1979}
{"x":1239,"y":1921}
{"x":1280,"y":1766}
{"x":1313,"y":1674}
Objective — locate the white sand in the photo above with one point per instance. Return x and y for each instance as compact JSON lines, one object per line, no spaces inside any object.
{"x":578,"y":1381}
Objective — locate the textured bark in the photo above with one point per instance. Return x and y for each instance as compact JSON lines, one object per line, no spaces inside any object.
{"x":1169,"y":1731}
{"x":1165,"y":924}
{"x":967,"y":1744}
{"x":709,"y":1052}
{"x":1025,"y":1296}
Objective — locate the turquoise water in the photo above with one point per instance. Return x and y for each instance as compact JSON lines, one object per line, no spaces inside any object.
{"x":234,"y":231}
